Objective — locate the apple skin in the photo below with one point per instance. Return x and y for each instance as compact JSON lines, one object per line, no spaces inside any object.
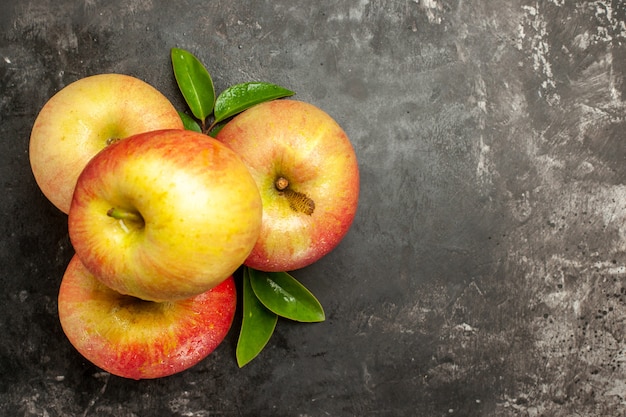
{"x":198,"y":214}
{"x":82,"y":118}
{"x":139,"y":339}
{"x":296,"y":141}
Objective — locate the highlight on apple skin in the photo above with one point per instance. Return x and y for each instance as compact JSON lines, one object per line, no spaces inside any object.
{"x":164,"y":215}
{"x":84,"y":117}
{"x":137,"y":339}
{"x":307,"y":173}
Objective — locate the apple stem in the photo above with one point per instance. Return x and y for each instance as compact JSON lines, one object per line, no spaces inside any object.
{"x":207,"y":130}
{"x":124,"y":215}
{"x":281,"y":183}
{"x":297,"y":201}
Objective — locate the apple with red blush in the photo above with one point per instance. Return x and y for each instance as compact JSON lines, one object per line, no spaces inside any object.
{"x":307,"y":173}
{"x":139,"y":339}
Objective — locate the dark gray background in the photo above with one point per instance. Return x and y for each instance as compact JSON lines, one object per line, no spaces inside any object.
{"x":485,"y":272}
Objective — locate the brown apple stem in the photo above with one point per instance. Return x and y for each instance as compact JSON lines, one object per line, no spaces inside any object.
{"x":281,"y":183}
{"x":298,"y":201}
{"x":126,"y":215}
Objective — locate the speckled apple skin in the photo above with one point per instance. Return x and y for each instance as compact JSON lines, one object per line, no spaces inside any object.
{"x":200,"y":206}
{"x":137,"y":339}
{"x":304,"y":144}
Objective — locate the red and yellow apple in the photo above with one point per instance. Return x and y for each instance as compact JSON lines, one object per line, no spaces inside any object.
{"x":139,"y":339}
{"x":307,"y":173}
{"x":85,"y":116}
{"x":164,"y":215}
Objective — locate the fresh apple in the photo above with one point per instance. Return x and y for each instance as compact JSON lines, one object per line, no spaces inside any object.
{"x":84,"y":117}
{"x":164,"y":215}
{"x":306,"y":170}
{"x":139,"y":339}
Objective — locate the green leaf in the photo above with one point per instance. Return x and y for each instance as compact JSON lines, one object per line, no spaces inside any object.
{"x":194,"y":83}
{"x":189,"y":122}
{"x":285,"y":296}
{"x":215,"y":129}
{"x":257,"y":325}
{"x":240,"y":97}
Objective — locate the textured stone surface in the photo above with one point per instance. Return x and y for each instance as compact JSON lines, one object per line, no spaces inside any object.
{"x":485,"y":273}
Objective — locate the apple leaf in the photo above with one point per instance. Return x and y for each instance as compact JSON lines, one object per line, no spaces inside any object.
{"x":257,"y":326}
{"x":240,"y":97}
{"x":189,"y":123}
{"x":215,"y":129}
{"x":194,"y":82}
{"x":284,"y":295}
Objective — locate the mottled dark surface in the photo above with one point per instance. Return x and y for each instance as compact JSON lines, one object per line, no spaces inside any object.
{"x":485,"y":272}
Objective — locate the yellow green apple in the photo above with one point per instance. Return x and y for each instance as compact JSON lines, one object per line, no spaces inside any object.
{"x":139,"y":339}
{"x":164,"y":215}
{"x":84,"y":117}
{"x":307,"y":173}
